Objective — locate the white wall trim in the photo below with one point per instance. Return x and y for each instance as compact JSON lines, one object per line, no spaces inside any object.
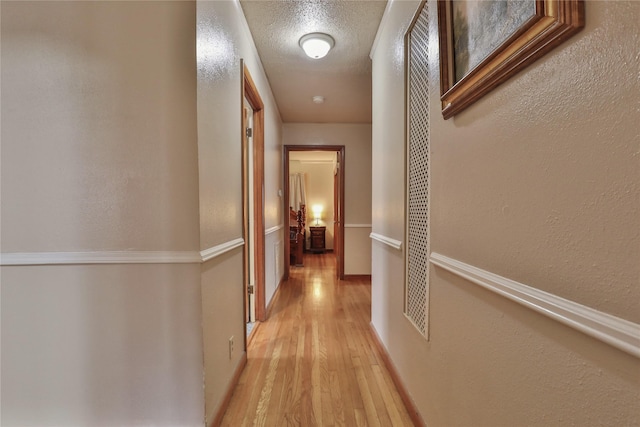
{"x":216,"y":251}
{"x":383,"y":23}
{"x":118,"y":257}
{"x":103,"y":257}
{"x":396,"y":244}
{"x":619,"y":333}
{"x":273,"y":229}
{"x":357,"y":226}
{"x":256,"y":56}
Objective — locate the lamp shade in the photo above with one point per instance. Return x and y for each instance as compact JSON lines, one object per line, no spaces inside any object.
{"x":316,"y":45}
{"x":317,"y":212}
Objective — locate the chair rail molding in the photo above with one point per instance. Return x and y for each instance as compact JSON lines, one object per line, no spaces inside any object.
{"x":216,"y":251}
{"x":118,"y":257}
{"x":273,"y":229}
{"x":357,"y":226}
{"x":619,"y":333}
{"x":99,"y":257}
{"x":396,"y":244}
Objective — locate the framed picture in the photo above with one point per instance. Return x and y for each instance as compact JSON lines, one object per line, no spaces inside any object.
{"x":483,"y":43}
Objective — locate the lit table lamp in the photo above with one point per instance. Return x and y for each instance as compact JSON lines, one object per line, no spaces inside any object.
{"x":317,"y":212}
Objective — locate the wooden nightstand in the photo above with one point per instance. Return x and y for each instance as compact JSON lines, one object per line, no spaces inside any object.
{"x":317,"y":239}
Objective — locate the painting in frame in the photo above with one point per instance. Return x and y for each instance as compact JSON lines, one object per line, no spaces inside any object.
{"x":485,"y":42}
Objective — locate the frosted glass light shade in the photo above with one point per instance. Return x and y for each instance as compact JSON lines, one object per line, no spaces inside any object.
{"x":316,"y":45}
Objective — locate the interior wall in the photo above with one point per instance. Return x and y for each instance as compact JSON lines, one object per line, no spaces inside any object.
{"x":99,"y":161}
{"x":357,"y":141}
{"x":223,"y":39}
{"x":536,"y":182}
{"x":86,"y":131}
{"x":319,"y":190}
{"x":101,"y":345}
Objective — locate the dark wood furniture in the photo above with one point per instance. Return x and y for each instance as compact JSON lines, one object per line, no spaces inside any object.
{"x":318,"y":239}
{"x":296,"y":235}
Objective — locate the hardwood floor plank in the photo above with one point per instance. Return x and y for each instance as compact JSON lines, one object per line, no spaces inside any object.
{"x":314,"y":361}
{"x":281,"y":389}
{"x":391,"y":405}
{"x":265,"y":395}
{"x":316,"y":378}
{"x":365,"y":392}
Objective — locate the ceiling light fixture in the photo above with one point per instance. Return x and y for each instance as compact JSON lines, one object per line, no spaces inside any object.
{"x":316,"y":45}
{"x":318,"y":99}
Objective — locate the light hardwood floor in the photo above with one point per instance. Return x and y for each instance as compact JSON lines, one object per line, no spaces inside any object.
{"x":314,"y":362}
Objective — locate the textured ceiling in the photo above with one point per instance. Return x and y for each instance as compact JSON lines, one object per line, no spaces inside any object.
{"x":343,"y":77}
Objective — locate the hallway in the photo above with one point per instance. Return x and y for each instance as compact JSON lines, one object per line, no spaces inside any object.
{"x":314,"y":361}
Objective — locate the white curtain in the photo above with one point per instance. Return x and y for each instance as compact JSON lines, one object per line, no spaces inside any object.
{"x":297,"y":191}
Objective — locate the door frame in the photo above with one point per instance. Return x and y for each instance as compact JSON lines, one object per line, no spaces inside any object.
{"x":339,"y":245}
{"x":250,"y":92}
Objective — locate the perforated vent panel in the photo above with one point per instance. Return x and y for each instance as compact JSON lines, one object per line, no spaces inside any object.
{"x":418,"y":170}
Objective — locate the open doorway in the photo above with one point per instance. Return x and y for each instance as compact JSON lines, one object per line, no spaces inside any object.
{"x":253,"y":201}
{"x":249,"y":207}
{"x":323,"y":213}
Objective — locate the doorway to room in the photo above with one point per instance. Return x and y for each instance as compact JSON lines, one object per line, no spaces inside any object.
{"x":320,"y":215}
{"x":253,"y":201}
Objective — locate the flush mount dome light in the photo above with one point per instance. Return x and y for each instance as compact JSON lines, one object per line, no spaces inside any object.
{"x":316,"y":45}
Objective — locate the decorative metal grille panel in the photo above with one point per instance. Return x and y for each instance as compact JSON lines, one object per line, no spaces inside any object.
{"x":417,"y":303}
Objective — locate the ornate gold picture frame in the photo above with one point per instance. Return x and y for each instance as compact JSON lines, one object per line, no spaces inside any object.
{"x":484,"y":43}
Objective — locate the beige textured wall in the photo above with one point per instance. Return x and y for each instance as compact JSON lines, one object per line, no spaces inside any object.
{"x":565,"y":218}
{"x":357,"y":141}
{"x":103,"y":159}
{"x":319,"y":187}
{"x":357,"y":249}
{"x":96,"y":345}
{"x":223,"y":39}
{"x":537,"y":182}
{"x":99,"y":153}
